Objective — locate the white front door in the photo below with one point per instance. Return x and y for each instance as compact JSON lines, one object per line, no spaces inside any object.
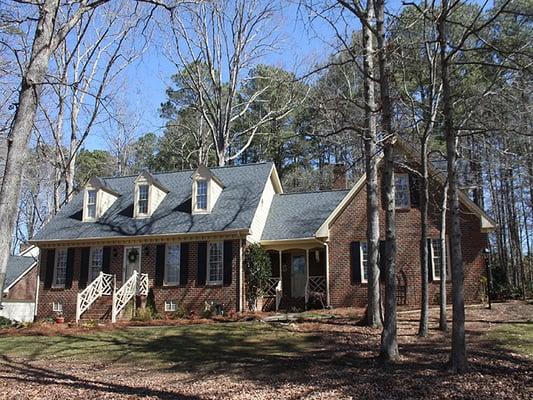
{"x":298,"y":276}
{"x":132,"y":262}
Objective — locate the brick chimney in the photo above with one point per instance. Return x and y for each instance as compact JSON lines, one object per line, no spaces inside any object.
{"x":339,"y":176}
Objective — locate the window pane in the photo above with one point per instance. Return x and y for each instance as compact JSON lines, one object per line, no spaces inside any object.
{"x":401,"y":187}
{"x":201,"y":195}
{"x":143,"y":199}
{"x":216,"y":265}
{"x":172,"y":264}
{"x":95,"y":265}
{"x":91,"y":210}
{"x":91,"y":203}
{"x":437,"y":256}
{"x":61,"y":268}
{"x":364,"y":260}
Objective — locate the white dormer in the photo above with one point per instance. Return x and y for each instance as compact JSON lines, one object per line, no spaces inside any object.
{"x":97,"y":198}
{"x":206,"y":188}
{"x":148,"y":194}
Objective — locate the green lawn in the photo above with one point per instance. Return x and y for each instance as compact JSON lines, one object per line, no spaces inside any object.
{"x":515,"y":337}
{"x":182,"y":345}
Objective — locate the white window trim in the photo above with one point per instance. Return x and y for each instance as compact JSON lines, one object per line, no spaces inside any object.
{"x":138,"y":214}
{"x":195,"y":209}
{"x":93,"y":249}
{"x":446,"y":263}
{"x":361,"y":262}
{"x":56,"y":256}
{"x":57,"y":307}
{"x":208,"y":280}
{"x":408,"y":206}
{"x":169,"y":283}
{"x":171,"y":305}
{"x":86,"y":204}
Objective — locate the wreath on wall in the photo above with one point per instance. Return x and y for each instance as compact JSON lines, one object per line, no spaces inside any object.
{"x":133,"y":255}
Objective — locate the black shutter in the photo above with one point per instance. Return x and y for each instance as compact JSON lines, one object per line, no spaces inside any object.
{"x":84,"y":267}
{"x":184,"y":263}
{"x":49,"y":268}
{"x":382,"y":259}
{"x":106,"y":260}
{"x":414,"y":190}
{"x":202,"y":263}
{"x":160,"y":264}
{"x":70,"y":268}
{"x":228,"y":261}
{"x":430,"y":260}
{"x":355,"y":258}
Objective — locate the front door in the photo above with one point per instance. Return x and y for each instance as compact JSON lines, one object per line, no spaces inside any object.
{"x":298,"y":275}
{"x":132,"y":262}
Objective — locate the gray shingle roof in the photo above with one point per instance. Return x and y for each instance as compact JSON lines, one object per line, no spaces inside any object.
{"x":234,"y":209}
{"x":299,"y":215}
{"x":16,"y":266}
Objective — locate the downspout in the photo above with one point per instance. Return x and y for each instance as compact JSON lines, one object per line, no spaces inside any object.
{"x":241,"y":275}
{"x":328,"y":302}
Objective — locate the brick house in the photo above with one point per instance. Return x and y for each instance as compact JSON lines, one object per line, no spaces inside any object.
{"x":181,"y":236}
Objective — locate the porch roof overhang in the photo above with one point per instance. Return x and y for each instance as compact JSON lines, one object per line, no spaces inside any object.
{"x":298,"y":243}
{"x":142,"y":239}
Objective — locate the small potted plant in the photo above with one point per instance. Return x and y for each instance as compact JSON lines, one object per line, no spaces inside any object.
{"x":60,"y":318}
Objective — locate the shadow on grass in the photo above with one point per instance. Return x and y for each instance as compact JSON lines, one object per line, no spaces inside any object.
{"x":270,"y":357}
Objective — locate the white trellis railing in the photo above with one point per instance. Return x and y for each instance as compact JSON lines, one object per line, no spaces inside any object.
{"x":274,"y":289}
{"x":316,"y":287}
{"x":101,"y":286}
{"x":137,"y":284}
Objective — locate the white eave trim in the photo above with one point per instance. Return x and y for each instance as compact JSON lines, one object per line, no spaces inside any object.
{"x":6,"y":289}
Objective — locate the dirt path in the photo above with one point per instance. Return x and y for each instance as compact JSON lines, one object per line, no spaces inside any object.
{"x":342,"y":364}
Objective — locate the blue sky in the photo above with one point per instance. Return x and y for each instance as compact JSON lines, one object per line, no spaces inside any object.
{"x":145,"y":81}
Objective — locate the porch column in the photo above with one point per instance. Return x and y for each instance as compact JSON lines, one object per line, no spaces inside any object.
{"x":327,"y":275}
{"x":307,"y":276}
{"x":279,"y":251}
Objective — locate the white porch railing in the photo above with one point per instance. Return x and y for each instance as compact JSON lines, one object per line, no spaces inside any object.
{"x":137,"y":284}
{"x":101,"y":286}
{"x":316,"y":286}
{"x":274,"y":289}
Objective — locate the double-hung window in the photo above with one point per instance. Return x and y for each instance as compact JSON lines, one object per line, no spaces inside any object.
{"x":91,"y":204}
{"x":96,"y":262}
{"x":401,"y":191}
{"x":215,"y":266}
{"x":437,"y":260}
{"x":60,"y":268}
{"x":201,"y":194}
{"x":172,"y":265}
{"x":364,"y":261}
{"x":142,"y":201}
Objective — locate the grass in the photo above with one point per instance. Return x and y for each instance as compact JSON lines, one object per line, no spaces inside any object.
{"x":515,"y":337}
{"x":167,"y":346}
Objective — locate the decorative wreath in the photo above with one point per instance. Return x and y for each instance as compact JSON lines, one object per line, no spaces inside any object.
{"x":133,"y":255}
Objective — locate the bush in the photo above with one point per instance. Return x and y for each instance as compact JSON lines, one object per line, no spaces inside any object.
{"x":6,"y":322}
{"x":143,"y":314}
{"x":258,"y":270}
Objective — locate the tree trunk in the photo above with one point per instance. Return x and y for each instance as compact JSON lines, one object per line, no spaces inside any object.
{"x":19,"y":136}
{"x":443,"y":323}
{"x":372,"y":233}
{"x":458,"y":354}
{"x":424,"y":251}
{"x":389,"y":344}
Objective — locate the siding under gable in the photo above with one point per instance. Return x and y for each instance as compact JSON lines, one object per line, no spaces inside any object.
{"x":261,"y":214}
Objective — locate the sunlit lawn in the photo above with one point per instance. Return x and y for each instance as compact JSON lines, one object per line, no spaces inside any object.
{"x":515,"y":337}
{"x":235,"y":343}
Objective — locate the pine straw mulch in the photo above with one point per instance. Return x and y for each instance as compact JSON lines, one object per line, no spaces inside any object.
{"x":341,"y":364}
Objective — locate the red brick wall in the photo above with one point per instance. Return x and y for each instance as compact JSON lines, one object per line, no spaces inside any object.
{"x":351,"y":226}
{"x":25,"y":288}
{"x":190,"y":296}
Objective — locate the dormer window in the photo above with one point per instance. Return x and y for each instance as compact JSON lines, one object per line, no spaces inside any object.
{"x":206,"y":188}
{"x":91,"y":203}
{"x":98,"y":197}
{"x":148,"y":194}
{"x":142,"y":202}
{"x":201,"y":194}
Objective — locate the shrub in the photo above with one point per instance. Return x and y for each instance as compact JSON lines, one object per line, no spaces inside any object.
{"x":6,"y":322}
{"x":258,"y":270}
{"x":143,"y":314}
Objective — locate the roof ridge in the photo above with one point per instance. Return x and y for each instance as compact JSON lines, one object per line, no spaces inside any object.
{"x":315,"y":191}
{"x":184,"y":170}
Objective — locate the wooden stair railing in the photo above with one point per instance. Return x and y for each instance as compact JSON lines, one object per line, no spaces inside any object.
{"x":103,"y":285}
{"x":137,"y":284}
